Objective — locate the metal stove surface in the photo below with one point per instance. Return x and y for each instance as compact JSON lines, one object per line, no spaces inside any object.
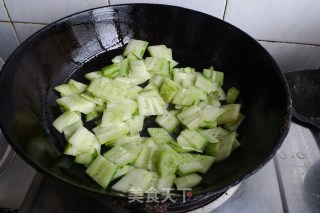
{"x":290,"y":182}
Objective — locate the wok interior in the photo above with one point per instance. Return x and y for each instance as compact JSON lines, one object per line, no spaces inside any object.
{"x":88,"y":41}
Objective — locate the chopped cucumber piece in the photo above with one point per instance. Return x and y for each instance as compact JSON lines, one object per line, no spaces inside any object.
{"x":160,"y":51}
{"x":102,"y":170}
{"x":138,"y":71}
{"x":108,"y":135}
{"x":235,"y":144}
{"x":84,"y":140}
{"x":168,"y":120}
{"x":225,"y":146}
{"x":92,"y":75}
{"x":111,"y":71}
{"x":188,"y":181}
{"x":231,"y":114}
{"x":212,"y":149}
{"x":168,"y":90}
{"x":167,"y":161}
{"x":191,"y":117}
{"x":65,"y":120}
{"x":160,"y":135}
{"x":76,"y":103}
{"x":119,"y":156}
{"x":137,"y":47}
{"x":232,"y":95}
{"x":66,"y":89}
{"x":235,"y":125}
{"x":214,"y":135}
{"x":185,"y":97}
{"x":89,"y":97}
{"x":86,"y":158}
{"x":135,"y":179}
{"x":150,"y":106}
{"x":191,"y":163}
{"x":212,"y":113}
{"x":206,"y":84}
{"x":80,"y":86}
{"x":121,"y":171}
{"x":194,"y":139}
{"x":117,"y":59}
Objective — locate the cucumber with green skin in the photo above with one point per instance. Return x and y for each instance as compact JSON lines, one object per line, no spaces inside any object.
{"x":197,"y":120}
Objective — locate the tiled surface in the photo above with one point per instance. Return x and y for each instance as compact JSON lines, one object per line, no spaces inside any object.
{"x":285,"y":20}
{"x":38,"y":11}
{"x":214,"y":8}
{"x":8,"y":40}
{"x":3,"y":12}
{"x":293,"y":56}
{"x":25,"y":30}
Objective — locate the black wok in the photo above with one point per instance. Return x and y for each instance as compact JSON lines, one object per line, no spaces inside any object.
{"x":88,"y":40}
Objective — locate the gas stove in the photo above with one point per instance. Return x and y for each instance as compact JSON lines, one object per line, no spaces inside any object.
{"x":290,"y":182}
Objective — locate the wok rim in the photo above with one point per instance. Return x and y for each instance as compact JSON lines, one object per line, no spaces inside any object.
{"x":284,"y":131}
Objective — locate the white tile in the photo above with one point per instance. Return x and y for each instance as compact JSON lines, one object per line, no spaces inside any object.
{"x":8,"y":40}
{"x":293,"y":56}
{"x":286,"y":20}
{"x":214,"y":8}
{"x":39,"y":11}
{"x":3,"y":12}
{"x":26,"y":30}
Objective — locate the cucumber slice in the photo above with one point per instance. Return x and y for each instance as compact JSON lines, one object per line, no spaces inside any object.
{"x":138,"y":47}
{"x":188,"y":181}
{"x":208,"y":125}
{"x":166,"y":160}
{"x":200,"y":93}
{"x":160,"y":135}
{"x":107,"y":135}
{"x":232,"y":95}
{"x":71,"y":129}
{"x":161,"y":184}
{"x":168,"y":90}
{"x":212,"y":113}
{"x":225,"y":146}
{"x":191,"y":117}
{"x":183,"y":145}
{"x":191,"y":163}
{"x":124,"y":67}
{"x":235,"y":125}
{"x":121,"y":171}
{"x":194,"y":139}
{"x":212,"y":149}
{"x":86,"y":158}
{"x":135,"y":124}
{"x":218,"y":77}
{"x":65,"y":120}
{"x":102,"y":170}
{"x":185,"y":97}
{"x":89,"y":97}
{"x":133,"y":92}
{"x":80,"y":86}
{"x":143,"y":158}
{"x":157,"y":79}
{"x":214,"y":135}
{"x":206,"y":84}
{"x":83,"y":140}
{"x":125,"y":139}
{"x":92,"y":75}
{"x":66,"y":89}
{"x":160,"y":51}
{"x":91,"y":116}
{"x":138,"y":71}
{"x":117,"y":59}
{"x":136,"y":180}
{"x":111,"y":71}
{"x":115,"y":113}
{"x":150,"y":106}
{"x":119,"y":156}
{"x":69,"y":149}
{"x":231,"y":114}
{"x":168,"y":120}
{"x":221,"y":94}
{"x":76,"y":103}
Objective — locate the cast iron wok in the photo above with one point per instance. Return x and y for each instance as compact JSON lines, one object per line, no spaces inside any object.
{"x":87,"y":41}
